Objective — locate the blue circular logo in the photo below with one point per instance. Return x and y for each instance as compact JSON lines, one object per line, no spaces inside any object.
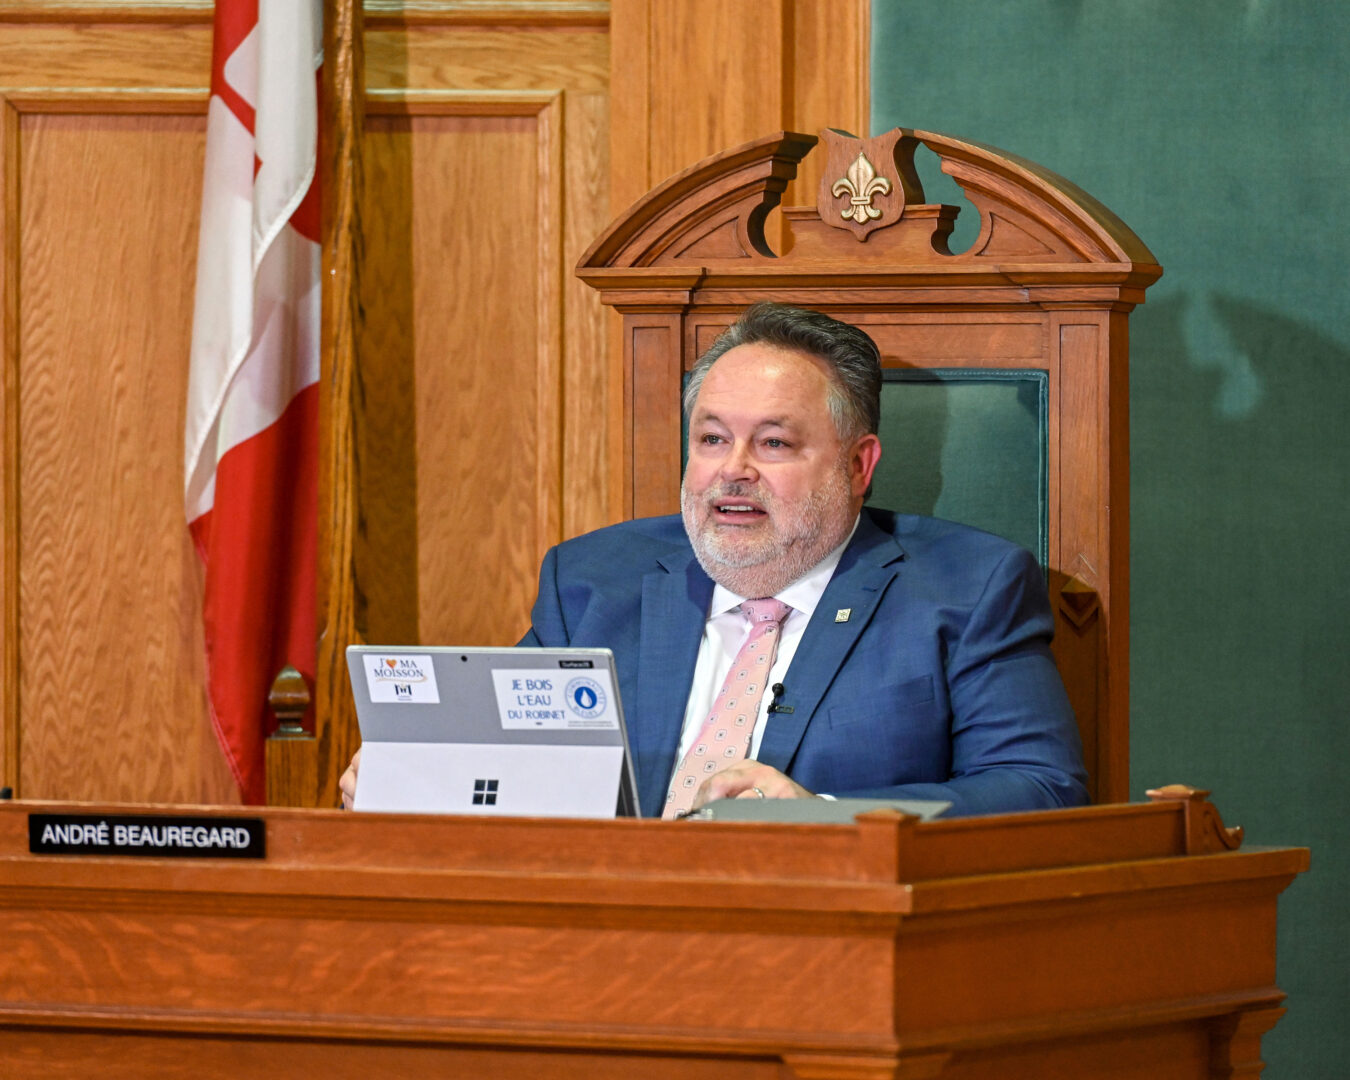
{"x":585,"y":697}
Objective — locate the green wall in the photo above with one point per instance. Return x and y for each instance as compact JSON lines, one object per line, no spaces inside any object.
{"x":1220,"y":131}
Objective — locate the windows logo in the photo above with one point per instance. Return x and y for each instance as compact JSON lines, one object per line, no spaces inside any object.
{"x":485,"y":793}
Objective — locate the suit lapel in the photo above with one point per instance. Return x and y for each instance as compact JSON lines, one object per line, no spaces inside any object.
{"x":859,"y":582}
{"x":675,"y":603}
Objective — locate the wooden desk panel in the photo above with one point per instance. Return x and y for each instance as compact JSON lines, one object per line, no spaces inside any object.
{"x":1109,"y":941}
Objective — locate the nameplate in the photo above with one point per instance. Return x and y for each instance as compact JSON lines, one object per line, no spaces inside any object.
{"x":156,"y":836}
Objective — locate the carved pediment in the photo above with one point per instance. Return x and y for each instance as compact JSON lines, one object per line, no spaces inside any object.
{"x":713,"y":210}
{"x":870,"y":210}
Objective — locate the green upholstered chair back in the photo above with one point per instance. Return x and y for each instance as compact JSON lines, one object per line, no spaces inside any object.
{"x":968,"y":445}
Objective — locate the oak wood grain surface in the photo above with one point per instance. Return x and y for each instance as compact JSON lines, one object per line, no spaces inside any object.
{"x":487,"y":58}
{"x":104,"y":55}
{"x":479,"y":401}
{"x":472,"y":379}
{"x":435,"y":938}
{"x":150,"y":61}
{"x":107,"y":11}
{"x":543,"y":396}
{"x":303,"y":769}
{"x":103,"y":150}
{"x":110,"y":664}
{"x":10,"y":172}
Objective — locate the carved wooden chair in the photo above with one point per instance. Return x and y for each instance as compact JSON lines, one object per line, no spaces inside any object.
{"x":1006,"y":402}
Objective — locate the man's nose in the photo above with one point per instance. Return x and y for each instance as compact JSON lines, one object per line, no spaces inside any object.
{"x":739,"y":464}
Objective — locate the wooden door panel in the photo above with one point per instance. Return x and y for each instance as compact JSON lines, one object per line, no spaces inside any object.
{"x":460,"y":263}
{"x":109,"y":700}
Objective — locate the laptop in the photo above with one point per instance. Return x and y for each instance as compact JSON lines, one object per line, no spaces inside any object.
{"x":497,"y":731}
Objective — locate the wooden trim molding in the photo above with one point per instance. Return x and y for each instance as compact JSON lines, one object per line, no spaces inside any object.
{"x":549,"y":322}
{"x":515,"y":14}
{"x":399,"y":102}
{"x":107,"y":11}
{"x":118,"y":101}
{"x":9,"y":446}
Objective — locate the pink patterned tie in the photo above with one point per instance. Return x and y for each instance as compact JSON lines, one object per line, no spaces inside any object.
{"x":724,"y":738}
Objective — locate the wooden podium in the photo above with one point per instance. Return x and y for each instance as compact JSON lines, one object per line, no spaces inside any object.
{"x":1113,"y":941}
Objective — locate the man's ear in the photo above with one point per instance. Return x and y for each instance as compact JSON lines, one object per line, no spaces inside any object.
{"x":862,"y":462}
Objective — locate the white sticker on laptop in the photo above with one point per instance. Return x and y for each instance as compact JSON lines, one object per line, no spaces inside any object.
{"x":403,"y":678}
{"x":568,"y":699}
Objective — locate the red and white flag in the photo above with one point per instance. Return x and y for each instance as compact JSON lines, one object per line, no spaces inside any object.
{"x":252,"y":410}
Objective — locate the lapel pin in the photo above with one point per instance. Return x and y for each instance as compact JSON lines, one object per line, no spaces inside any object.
{"x":842,"y":614}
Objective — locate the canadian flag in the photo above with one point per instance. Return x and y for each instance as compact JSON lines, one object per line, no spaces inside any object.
{"x":252,"y":409}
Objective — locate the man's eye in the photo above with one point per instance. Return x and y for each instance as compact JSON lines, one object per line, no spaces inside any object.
{"x":775,"y":444}
{"x":711,"y":440}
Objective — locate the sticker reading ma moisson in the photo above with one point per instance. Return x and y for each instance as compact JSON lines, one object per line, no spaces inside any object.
{"x":149,"y":835}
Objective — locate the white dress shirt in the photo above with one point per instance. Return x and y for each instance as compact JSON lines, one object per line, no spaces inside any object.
{"x":725,"y":632}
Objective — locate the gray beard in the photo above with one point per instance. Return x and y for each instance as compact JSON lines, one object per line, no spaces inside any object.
{"x":765,"y":569}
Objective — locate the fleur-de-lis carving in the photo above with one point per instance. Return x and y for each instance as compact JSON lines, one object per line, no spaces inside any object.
{"x":861,"y":185}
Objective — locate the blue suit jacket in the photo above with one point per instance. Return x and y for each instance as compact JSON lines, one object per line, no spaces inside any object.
{"x":940,"y":684}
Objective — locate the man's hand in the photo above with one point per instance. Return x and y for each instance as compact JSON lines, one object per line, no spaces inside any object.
{"x":347,"y":785}
{"x":748,"y":780}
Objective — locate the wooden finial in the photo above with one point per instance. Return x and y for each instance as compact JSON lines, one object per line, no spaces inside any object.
{"x":290,"y":700}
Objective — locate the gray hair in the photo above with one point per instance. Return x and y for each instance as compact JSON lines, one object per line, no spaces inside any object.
{"x":852,"y":357}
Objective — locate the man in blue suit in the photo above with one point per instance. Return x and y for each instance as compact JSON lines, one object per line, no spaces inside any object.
{"x":921,"y":666}
{"x":909,"y":658}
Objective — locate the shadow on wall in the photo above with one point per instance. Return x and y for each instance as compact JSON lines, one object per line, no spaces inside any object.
{"x":1240,"y":507}
{"x":1239,"y":583}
